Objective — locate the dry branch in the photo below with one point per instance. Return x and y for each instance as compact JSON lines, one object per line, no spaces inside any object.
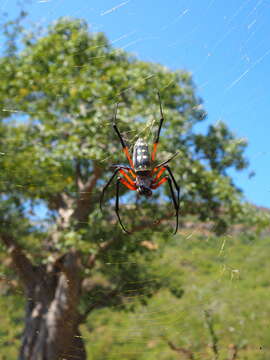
{"x":180,"y":350}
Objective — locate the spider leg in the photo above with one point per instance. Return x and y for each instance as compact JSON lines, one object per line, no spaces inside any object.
{"x":161,"y":171}
{"x":159,"y":129}
{"x":117,"y":205}
{"x":129,"y":169}
{"x":166,"y":162}
{"x":175,"y":201}
{"x":129,"y":184}
{"x":162,"y":181}
{"x":105,"y":188}
{"x":176,"y":205}
{"x":124,"y":146}
{"x":175,"y":184}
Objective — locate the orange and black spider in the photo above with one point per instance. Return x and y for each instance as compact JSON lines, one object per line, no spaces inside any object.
{"x":146,"y":176}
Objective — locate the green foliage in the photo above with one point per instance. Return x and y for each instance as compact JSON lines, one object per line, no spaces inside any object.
{"x":12,"y":315}
{"x":66,"y":84}
{"x":220,"y":148}
{"x":254,"y":217}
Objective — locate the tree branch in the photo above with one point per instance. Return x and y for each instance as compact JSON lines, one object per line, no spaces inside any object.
{"x":83,"y":205}
{"x":78,"y":175}
{"x":181,"y":350}
{"x":56,"y":202}
{"x":106,"y":297}
{"x":103,"y":247}
{"x":24,"y":267}
{"x":69,"y":264}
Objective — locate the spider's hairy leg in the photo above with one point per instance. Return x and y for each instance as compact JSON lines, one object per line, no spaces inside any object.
{"x":175,"y":200}
{"x":105,"y":188}
{"x":117,"y":204}
{"x":129,"y":184}
{"x":159,"y":129}
{"x":160,"y":172}
{"x":176,"y":205}
{"x":127,"y":168}
{"x":162,"y":181}
{"x":175,"y":184}
{"x":166,"y":161}
{"x":124,"y":146}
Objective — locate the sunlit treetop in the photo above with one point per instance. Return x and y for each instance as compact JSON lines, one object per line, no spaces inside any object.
{"x":60,"y":88}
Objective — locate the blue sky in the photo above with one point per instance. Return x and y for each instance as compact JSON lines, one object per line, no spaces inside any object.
{"x":224,"y":44}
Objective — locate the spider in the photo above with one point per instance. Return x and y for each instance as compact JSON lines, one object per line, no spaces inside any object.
{"x":142,"y":175}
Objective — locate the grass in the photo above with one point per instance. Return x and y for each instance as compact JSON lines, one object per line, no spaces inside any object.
{"x":227,"y":276}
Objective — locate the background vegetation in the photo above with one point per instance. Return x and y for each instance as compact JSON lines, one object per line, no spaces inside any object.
{"x":228,"y":276}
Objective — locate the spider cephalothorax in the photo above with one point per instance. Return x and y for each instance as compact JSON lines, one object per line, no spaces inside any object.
{"x":143,"y":182}
{"x":142,"y":175}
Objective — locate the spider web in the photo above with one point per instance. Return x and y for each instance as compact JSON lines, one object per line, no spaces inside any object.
{"x":226,"y":48}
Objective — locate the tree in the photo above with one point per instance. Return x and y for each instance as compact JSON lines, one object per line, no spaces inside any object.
{"x":58,"y":92}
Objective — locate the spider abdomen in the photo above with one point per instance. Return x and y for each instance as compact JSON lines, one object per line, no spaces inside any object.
{"x":141,"y":156}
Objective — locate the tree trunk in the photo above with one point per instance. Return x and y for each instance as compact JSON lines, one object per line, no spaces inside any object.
{"x":52,"y":320}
